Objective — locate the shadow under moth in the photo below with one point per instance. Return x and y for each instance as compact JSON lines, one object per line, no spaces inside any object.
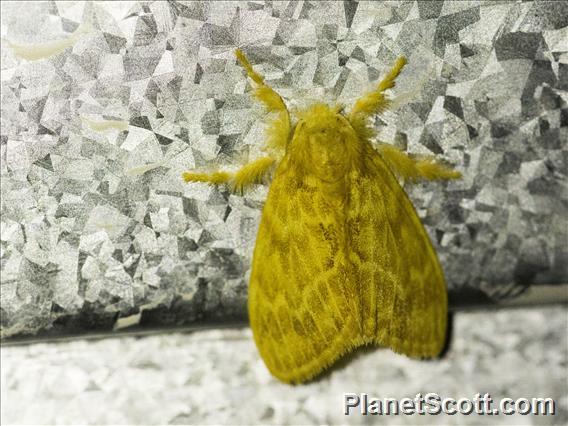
{"x":341,"y":258}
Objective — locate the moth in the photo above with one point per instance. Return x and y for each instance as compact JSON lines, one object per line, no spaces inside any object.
{"x":341,"y":258}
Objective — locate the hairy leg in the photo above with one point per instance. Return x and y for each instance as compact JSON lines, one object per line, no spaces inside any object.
{"x":239,"y":181}
{"x":415,"y":169}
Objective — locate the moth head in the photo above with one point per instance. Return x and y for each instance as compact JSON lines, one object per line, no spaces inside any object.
{"x":324,"y":141}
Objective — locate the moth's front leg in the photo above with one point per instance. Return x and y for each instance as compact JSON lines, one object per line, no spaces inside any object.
{"x":215,"y":178}
{"x":415,"y":169}
{"x":239,"y":181}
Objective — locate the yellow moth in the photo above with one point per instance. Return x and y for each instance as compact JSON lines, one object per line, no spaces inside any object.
{"x":341,"y":258}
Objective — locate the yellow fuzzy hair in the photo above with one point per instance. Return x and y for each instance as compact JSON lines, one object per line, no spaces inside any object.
{"x":213,"y":178}
{"x":257,"y":78}
{"x":279,"y":127}
{"x":239,"y":181}
{"x":374,"y":102}
{"x":250,"y":174}
{"x":272,"y":100}
{"x":319,"y":114}
{"x":411,"y":169}
{"x":277,"y":134}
